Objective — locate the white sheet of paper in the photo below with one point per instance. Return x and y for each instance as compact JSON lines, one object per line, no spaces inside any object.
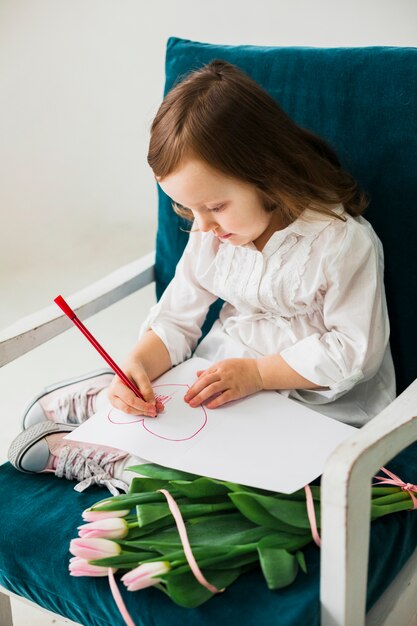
{"x":265,"y":440}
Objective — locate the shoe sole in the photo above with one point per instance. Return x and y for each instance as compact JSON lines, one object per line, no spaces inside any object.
{"x":62,"y":383}
{"x":21,"y":444}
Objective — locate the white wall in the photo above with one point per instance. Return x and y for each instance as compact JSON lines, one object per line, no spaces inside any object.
{"x":80,"y":81}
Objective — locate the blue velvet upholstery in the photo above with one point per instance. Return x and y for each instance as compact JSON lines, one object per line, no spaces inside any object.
{"x":364,"y":101}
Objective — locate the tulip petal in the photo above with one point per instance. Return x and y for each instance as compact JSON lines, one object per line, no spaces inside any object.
{"x":110,"y":528}
{"x":94,"y":516}
{"x":81,"y":567}
{"x":91,"y":548}
{"x":145,"y":575}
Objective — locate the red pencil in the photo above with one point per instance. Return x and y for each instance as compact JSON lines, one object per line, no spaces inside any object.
{"x":59,"y":300}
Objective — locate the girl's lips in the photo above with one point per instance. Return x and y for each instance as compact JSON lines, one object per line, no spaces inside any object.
{"x":226,"y":236}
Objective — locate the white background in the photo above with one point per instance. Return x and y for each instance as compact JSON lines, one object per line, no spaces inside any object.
{"x":80,"y":81}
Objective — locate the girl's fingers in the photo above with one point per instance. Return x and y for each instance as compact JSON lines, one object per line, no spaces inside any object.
{"x":124,"y":399}
{"x":126,"y":395}
{"x":148,"y":393}
{"x":146,"y":406}
{"x":222,"y":398}
{"x":160,"y":407}
{"x":146,"y":390}
{"x":207,"y":392}
{"x":200,"y":384}
{"x":120,"y":404}
{"x":201,"y":372}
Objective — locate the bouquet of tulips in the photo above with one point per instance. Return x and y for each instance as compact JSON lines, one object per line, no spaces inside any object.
{"x":222,"y":528}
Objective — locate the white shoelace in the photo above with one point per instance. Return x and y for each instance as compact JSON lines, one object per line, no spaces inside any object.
{"x":76,"y":464}
{"x":75,"y":407}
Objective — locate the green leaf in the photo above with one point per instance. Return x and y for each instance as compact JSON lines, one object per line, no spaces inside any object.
{"x":283,"y":541}
{"x":391,"y":498}
{"x":125,"y":560}
{"x":402,"y":505}
{"x":149,"y":513}
{"x":299,"y":495}
{"x":383,"y":491}
{"x":118,"y":503}
{"x":219,"y":557}
{"x":146,"y":485}
{"x":292,"y":512}
{"x":279,"y":566}
{"x":152,"y":470}
{"x":286,"y":541}
{"x":260,"y":509}
{"x":139,"y":533}
{"x":200,"y":488}
{"x":155,"y":541}
{"x":226,"y":529}
{"x":214,"y":557}
{"x":218,"y":530}
{"x":231,"y":561}
{"x":186,"y":591}
{"x":301,"y":560}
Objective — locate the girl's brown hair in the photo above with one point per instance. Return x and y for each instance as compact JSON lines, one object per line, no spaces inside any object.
{"x":221,"y":116}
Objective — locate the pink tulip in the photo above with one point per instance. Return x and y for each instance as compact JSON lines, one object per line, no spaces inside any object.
{"x":90,"y":549}
{"x":145,"y":575}
{"x":94,"y":516}
{"x":110,"y":528}
{"x":81,"y":567}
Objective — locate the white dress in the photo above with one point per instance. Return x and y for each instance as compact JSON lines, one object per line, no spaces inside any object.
{"x":314,"y":294}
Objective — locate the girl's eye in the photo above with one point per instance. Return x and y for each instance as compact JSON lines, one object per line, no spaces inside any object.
{"x":216,"y":209}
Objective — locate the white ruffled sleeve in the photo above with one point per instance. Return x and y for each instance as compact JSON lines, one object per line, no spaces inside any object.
{"x":178,"y":316}
{"x":355,"y":314}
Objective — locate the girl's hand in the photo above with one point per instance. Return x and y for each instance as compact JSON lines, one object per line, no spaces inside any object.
{"x":122,"y":398}
{"x":228,"y":380}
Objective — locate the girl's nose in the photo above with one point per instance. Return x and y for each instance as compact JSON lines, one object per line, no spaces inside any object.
{"x":206,"y":223}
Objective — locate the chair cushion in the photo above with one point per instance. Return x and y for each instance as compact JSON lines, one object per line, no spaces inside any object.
{"x":363,"y":101}
{"x":40,"y":514}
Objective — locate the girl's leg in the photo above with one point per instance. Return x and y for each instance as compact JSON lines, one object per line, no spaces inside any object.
{"x":53,"y":413}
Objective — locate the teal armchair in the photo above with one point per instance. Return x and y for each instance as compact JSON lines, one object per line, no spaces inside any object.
{"x":364,"y":102}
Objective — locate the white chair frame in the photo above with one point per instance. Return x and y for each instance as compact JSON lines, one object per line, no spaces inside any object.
{"x":346,"y":481}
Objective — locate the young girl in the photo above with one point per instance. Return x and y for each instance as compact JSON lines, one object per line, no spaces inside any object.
{"x":276,"y":232}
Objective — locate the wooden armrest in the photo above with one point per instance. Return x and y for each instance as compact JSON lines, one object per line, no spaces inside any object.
{"x":34,"y":330}
{"x":346,"y":502}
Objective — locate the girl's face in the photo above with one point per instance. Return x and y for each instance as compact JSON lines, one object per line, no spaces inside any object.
{"x":228,"y":207}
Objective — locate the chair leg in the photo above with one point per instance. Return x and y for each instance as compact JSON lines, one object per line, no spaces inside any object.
{"x":6,"y":618}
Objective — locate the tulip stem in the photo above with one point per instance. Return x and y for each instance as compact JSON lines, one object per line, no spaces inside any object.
{"x":399,"y":496}
{"x":380,"y":511}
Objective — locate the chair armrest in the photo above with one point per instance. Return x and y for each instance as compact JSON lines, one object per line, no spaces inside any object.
{"x":346,"y":502}
{"x":34,"y":330}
